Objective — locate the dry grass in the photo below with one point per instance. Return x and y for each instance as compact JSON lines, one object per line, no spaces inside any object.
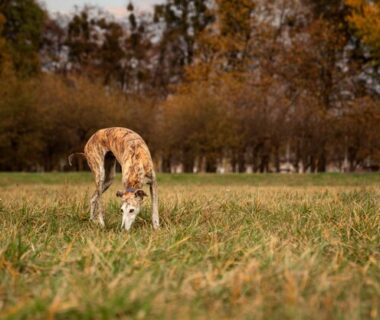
{"x":224,"y":251}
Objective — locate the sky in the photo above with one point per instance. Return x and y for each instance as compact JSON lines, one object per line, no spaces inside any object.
{"x":116,"y":7}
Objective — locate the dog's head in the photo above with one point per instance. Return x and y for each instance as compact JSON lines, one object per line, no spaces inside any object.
{"x":131,"y":201}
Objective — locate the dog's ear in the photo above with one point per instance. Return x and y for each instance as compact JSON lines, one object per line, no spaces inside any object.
{"x":140,"y":194}
{"x":119,"y":194}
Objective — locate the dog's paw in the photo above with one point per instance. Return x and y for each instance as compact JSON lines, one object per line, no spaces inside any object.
{"x":156,"y":225}
{"x":98,"y":221}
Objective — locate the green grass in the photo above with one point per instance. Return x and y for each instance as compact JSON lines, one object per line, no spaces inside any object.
{"x":328,"y":179}
{"x":230,"y":247}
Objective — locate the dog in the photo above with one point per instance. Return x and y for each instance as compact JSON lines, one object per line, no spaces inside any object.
{"x":125,"y":146}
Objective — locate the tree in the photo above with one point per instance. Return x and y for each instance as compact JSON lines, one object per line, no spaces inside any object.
{"x":5,"y":58}
{"x":364,"y":18}
{"x":21,"y":142}
{"x":107,"y":49}
{"x":23,"y":30}
{"x":83,"y":42}
{"x":136,"y":67}
{"x":197,"y":129}
{"x":53,"y":52}
{"x":358,"y":125}
{"x":181,"y":21}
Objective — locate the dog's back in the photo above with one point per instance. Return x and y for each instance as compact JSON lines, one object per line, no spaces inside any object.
{"x":129,"y":149}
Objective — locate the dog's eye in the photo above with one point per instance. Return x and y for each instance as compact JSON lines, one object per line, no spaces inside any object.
{"x":132,"y":210}
{"x":121,"y":210}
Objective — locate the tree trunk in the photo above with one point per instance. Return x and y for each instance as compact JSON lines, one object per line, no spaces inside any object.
{"x":277,"y":159}
{"x":241,"y":162}
{"x":211,"y":165}
{"x":297,"y":159}
{"x":255,"y":159}
{"x":166,"y":163}
{"x":264,"y":166}
{"x":188,"y":161}
{"x":322,"y":161}
{"x":233,"y":161}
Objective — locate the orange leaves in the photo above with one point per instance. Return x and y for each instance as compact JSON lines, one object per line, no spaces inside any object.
{"x":235,"y":16}
{"x":365,"y":19}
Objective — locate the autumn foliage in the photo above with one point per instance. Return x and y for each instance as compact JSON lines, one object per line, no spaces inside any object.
{"x":365,"y":18}
{"x":212,"y":86}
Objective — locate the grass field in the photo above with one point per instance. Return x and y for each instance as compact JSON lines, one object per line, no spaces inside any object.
{"x":230,"y":247}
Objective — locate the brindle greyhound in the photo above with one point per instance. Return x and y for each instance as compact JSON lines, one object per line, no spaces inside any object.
{"x":102,"y":151}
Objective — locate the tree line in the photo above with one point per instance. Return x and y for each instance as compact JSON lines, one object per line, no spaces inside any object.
{"x":222,"y":85}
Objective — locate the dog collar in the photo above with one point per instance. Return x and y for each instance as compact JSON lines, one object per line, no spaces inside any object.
{"x":131,"y":190}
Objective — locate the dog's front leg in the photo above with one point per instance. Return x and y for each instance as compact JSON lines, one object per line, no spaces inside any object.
{"x":154,"y":197}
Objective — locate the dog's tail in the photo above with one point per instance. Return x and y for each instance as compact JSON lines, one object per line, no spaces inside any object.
{"x":73,"y":155}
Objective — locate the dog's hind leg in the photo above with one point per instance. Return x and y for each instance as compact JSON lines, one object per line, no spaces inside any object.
{"x":96,"y":213}
{"x":97,"y":167}
{"x":94,"y":205}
